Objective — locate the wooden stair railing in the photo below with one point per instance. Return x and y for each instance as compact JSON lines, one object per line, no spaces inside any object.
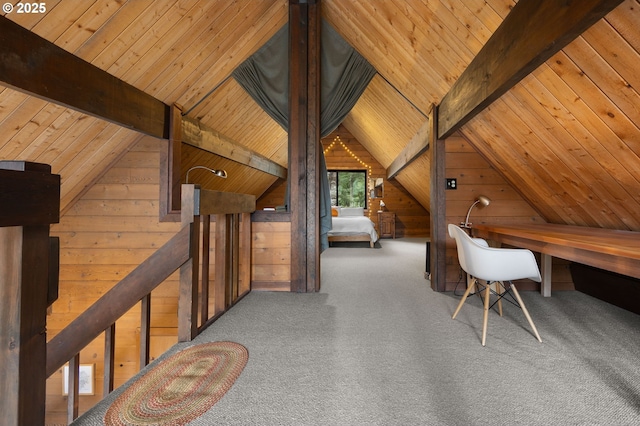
{"x":232,"y":214}
{"x":117,"y":301}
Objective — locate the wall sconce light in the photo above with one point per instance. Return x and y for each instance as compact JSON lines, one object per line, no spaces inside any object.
{"x":219,"y":173}
{"x":483,"y":201}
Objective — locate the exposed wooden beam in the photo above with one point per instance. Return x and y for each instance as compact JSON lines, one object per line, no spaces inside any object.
{"x":304,"y":143}
{"x":530,"y":34}
{"x":220,"y":203}
{"x":197,"y":134}
{"x":418,"y":144}
{"x":31,"y":64}
{"x":438,"y":210}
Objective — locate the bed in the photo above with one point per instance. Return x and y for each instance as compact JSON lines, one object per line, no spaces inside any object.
{"x":350,"y":224}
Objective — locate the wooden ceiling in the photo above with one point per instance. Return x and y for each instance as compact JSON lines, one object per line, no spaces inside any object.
{"x":567,"y":137}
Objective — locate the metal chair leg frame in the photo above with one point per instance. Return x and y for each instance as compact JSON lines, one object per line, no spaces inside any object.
{"x":486,"y":306}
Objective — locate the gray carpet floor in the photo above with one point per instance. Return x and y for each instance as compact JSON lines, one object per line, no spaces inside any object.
{"x":378,"y":347}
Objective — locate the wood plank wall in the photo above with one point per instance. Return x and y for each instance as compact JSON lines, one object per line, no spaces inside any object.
{"x":412,"y":220}
{"x":475,"y":177}
{"x":103,"y":236}
{"x":271,"y":251}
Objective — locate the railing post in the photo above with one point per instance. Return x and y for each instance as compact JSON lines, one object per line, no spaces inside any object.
{"x":188,"y":295}
{"x":30,"y":200}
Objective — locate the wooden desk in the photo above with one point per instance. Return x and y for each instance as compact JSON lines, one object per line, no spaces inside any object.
{"x":612,"y":250}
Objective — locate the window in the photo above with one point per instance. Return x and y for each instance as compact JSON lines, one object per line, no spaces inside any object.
{"x":348,"y":188}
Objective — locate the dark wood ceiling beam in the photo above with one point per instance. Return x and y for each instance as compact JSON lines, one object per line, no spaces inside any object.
{"x":32,"y":64}
{"x":418,"y":144}
{"x":530,"y":34}
{"x":196,"y":134}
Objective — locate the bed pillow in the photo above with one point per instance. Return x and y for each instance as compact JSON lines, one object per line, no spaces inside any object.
{"x":335,"y":211}
{"x":352,"y":211}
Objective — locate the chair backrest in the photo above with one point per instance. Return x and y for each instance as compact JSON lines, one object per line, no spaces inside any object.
{"x":493,"y":264}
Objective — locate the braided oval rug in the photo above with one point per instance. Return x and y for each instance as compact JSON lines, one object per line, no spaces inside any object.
{"x":181,"y":387}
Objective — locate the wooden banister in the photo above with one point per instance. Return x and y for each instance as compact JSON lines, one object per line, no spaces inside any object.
{"x":229,"y":209}
{"x":117,"y":301}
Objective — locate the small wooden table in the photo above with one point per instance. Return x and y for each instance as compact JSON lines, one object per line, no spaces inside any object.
{"x":609,"y":249}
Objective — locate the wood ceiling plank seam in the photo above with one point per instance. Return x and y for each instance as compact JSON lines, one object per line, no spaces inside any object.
{"x":50,"y":136}
{"x":626,"y":20}
{"x":502,"y":7}
{"x":28,"y":20}
{"x":32,"y":130}
{"x":98,"y":163}
{"x":379,"y":94}
{"x":475,"y":138}
{"x":161,"y":60}
{"x":225,"y":64}
{"x":558,"y":135}
{"x":262,"y":29}
{"x":365,"y":38}
{"x":211,"y":60}
{"x":10,"y":101}
{"x":71,"y":139}
{"x":363,"y":133}
{"x":150,"y":51}
{"x":462,"y":41}
{"x":71,"y":158}
{"x":230,"y":105}
{"x":482,"y":135}
{"x":206,"y":110}
{"x":536,"y":172}
{"x":422,"y":197}
{"x":580,"y":167}
{"x":101,"y":146}
{"x":588,"y":80}
{"x":15,"y":122}
{"x":585,"y":123}
{"x":438,"y":36}
{"x":487,"y":18}
{"x":125,"y":66}
{"x":129,"y":22}
{"x":254,"y":113}
{"x":616,"y":89}
{"x":51,"y":25}
{"x":87,"y":24}
{"x":263,"y":146}
{"x":615,"y":50}
{"x":115,"y":49}
{"x":398,"y":127}
{"x":181,"y":64}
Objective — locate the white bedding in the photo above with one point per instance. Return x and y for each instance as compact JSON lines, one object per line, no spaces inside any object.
{"x":351,"y":225}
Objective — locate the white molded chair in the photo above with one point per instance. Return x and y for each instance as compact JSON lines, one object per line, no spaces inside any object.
{"x":493,"y":265}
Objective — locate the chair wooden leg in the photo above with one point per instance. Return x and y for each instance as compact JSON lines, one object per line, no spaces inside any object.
{"x":526,"y":313}
{"x":464,"y":297}
{"x":485,"y":318}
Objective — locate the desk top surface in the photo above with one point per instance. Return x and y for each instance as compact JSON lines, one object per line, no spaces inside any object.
{"x":559,"y":240}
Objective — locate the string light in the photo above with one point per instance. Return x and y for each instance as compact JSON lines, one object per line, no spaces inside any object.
{"x":355,"y":157}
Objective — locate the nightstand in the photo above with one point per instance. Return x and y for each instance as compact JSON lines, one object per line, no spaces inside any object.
{"x":387,"y":224}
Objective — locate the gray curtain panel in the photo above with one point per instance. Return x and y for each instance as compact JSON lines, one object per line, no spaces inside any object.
{"x":345,"y":75}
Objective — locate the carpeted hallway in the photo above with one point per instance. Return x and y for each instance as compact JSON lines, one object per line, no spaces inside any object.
{"x":378,"y":347}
